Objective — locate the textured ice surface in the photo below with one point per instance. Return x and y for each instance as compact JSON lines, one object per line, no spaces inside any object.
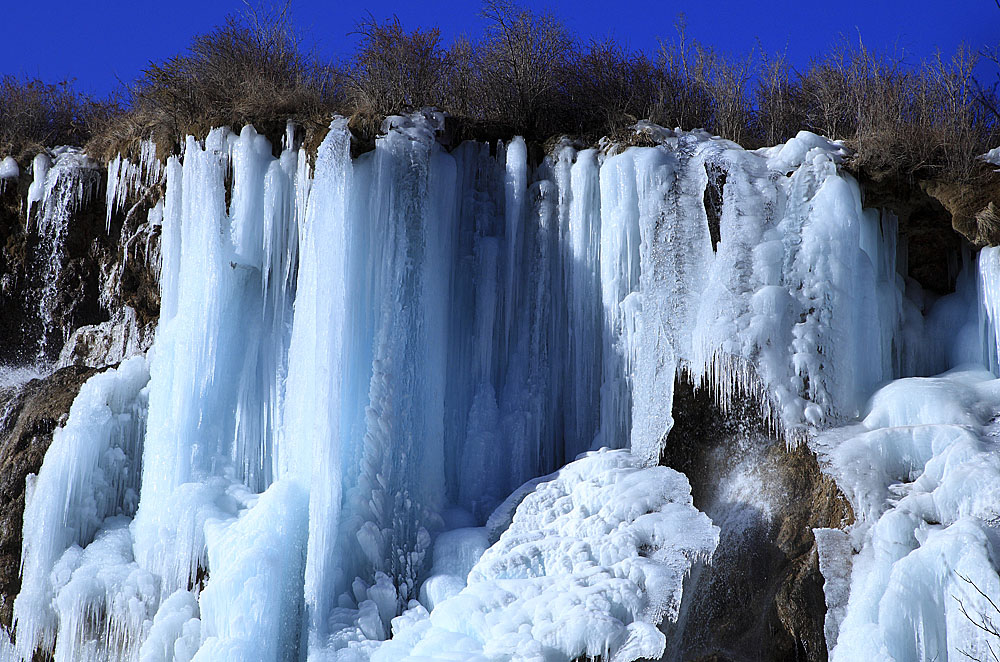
{"x":922,"y":472}
{"x":9,"y":168}
{"x":595,"y":557}
{"x":77,"y":554}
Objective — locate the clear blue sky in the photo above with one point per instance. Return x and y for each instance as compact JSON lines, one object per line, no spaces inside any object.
{"x":98,"y":42}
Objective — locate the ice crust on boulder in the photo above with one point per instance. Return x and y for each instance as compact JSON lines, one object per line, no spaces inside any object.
{"x":9,"y":168}
{"x":591,"y":563}
{"x":922,"y":472}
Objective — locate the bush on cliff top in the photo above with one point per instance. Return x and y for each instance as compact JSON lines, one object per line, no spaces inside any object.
{"x":528,"y":75}
{"x":34,"y":114}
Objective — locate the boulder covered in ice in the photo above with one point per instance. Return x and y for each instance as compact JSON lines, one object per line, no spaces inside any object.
{"x":992,"y":156}
{"x":9,"y":168}
{"x":923,"y":474}
{"x":593,"y":560}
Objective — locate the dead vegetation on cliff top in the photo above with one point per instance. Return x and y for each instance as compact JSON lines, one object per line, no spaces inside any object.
{"x":527,"y":74}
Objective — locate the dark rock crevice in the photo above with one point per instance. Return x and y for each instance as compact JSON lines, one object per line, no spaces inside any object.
{"x":762,"y":597}
{"x":103,"y":269}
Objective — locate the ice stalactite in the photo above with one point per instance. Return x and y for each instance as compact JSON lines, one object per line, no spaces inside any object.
{"x":127,"y":177}
{"x":311,"y":431}
{"x":211,"y":423}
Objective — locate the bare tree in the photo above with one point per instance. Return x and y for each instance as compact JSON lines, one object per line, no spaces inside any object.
{"x":523,"y":64}
{"x":983,"y":621}
{"x":395,"y":70}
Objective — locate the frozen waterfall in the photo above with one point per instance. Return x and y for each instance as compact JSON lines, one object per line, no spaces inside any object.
{"x":368,"y":427}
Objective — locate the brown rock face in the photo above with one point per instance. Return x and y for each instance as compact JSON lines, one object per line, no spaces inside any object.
{"x":28,"y":417}
{"x":972,"y":208}
{"x":762,"y":596}
{"x":102,"y":268}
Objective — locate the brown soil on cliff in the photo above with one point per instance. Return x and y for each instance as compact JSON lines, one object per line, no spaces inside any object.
{"x":762,"y":596}
{"x":28,"y":417}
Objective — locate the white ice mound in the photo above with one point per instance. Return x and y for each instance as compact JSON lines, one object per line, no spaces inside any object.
{"x":923,"y":475}
{"x":9,"y":169}
{"x":593,"y":560}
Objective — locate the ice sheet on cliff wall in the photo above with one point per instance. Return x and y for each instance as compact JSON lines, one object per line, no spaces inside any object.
{"x":77,"y":555}
{"x":351,"y":361}
{"x":922,"y":471}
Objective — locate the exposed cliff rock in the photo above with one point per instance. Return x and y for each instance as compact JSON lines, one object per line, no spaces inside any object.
{"x":762,"y":596}
{"x":29,"y":414}
{"x":98,"y":270}
{"x":17,"y":318}
{"x":972,"y":208}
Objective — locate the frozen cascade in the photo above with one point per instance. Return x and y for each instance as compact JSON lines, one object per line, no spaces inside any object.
{"x":63,"y":181}
{"x":922,"y":472}
{"x":356,"y":360}
{"x":80,"y":589}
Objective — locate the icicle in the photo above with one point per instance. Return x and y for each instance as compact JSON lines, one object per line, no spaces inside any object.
{"x":311,"y":435}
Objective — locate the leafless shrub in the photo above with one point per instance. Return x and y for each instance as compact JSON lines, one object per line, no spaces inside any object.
{"x":34,"y":114}
{"x":903,"y":121}
{"x":252,"y":69}
{"x":611,"y":87}
{"x":395,"y":70}
{"x":682,"y":100}
{"x":527,"y":74}
{"x":779,"y":100}
{"x":461,"y":84}
{"x":522,"y":66}
{"x":986,"y":622}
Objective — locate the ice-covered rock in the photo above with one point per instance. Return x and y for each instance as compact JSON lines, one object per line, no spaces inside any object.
{"x":76,"y":552}
{"x":594,"y":559}
{"x":9,"y":168}
{"x":922,"y":471}
{"x":992,"y":156}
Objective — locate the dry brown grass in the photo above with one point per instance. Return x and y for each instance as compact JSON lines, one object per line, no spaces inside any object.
{"x":528,"y":75}
{"x":34,"y":114}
